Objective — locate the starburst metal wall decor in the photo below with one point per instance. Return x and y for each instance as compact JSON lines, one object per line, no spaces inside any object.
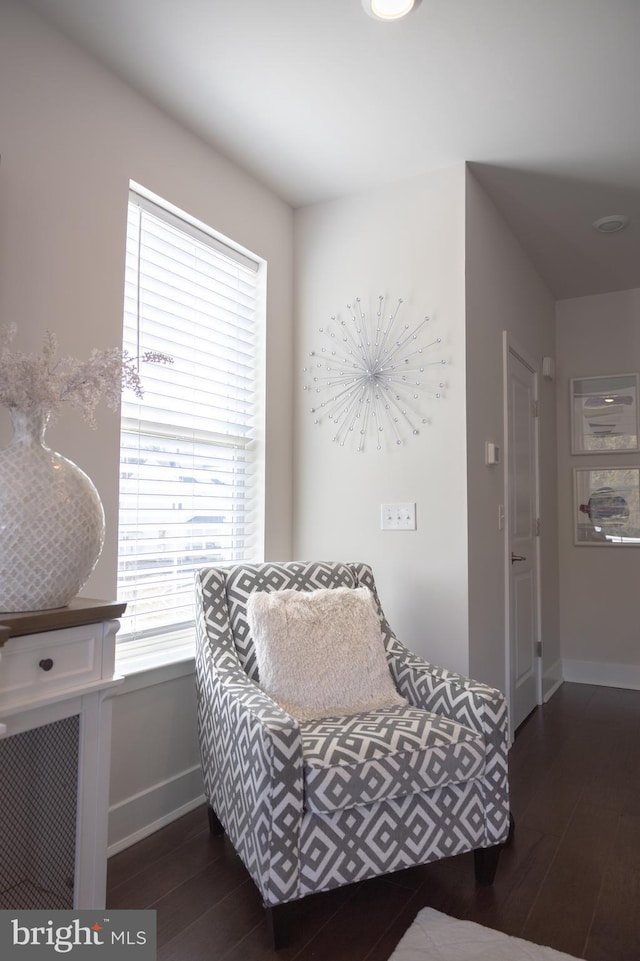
{"x":371,"y":375}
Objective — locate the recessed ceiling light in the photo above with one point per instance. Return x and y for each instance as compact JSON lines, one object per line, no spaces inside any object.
{"x":611,"y":224}
{"x":389,"y":9}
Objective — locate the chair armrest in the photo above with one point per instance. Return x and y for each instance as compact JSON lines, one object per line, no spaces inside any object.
{"x":434,"y":688}
{"x":251,"y":754}
{"x":445,"y":692}
{"x":470,"y":703}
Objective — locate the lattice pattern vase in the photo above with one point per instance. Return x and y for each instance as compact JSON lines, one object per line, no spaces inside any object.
{"x":51,"y":521}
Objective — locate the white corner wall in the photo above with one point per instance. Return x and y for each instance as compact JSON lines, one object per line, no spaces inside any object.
{"x":599,"y":612}
{"x":407,"y":241}
{"x":503,"y":292}
{"x":73,"y":135}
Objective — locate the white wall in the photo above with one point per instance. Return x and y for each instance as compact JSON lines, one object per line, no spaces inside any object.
{"x":503,"y":292}
{"x":155,"y":770}
{"x":72,"y":136}
{"x":407,"y":241}
{"x":600,"y":600}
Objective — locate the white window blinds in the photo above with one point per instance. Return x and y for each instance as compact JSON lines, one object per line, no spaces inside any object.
{"x":191,"y":461}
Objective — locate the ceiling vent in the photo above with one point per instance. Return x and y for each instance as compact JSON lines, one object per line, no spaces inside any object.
{"x":611,"y":224}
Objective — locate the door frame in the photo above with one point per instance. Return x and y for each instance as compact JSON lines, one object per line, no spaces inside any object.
{"x":511,"y":346}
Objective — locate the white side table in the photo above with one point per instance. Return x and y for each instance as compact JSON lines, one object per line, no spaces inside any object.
{"x":56,"y":679}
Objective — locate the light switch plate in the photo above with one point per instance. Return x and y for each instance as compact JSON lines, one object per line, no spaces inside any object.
{"x":398,"y":517}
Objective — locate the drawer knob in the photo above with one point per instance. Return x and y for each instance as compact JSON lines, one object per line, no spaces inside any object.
{"x":46,"y":663}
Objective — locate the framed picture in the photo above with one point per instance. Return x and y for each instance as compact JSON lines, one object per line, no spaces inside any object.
{"x":607,"y":506}
{"x":604,"y":414}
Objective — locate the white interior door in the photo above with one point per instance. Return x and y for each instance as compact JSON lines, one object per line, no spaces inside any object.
{"x":522,"y":547}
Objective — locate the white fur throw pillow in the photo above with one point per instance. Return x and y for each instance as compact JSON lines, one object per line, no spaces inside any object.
{"x":320,"y":653}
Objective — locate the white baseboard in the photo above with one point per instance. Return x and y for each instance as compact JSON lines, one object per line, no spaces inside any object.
{"x":136,"y":817}
{"x":551,"y":680}
{"x":603,"y":674}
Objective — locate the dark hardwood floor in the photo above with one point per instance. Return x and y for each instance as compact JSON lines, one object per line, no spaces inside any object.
{"x":570,"y":879}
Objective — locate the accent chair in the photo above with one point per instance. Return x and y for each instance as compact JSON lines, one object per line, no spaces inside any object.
{"x":311,"y":805}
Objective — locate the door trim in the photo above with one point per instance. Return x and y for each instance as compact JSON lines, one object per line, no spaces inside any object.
{"x":511,"y":346}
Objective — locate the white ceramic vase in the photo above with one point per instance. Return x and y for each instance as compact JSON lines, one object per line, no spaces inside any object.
{"x":51,"y":521}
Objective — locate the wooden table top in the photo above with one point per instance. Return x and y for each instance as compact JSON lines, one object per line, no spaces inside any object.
{"x":81,"y":610}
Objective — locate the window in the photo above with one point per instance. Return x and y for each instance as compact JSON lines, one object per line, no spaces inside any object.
{"x":191,"y":458}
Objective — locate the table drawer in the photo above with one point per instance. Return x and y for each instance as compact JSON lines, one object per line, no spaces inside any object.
{"x":37,"y":666}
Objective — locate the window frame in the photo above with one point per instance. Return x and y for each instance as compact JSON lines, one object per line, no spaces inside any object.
{"x":173,"y":645}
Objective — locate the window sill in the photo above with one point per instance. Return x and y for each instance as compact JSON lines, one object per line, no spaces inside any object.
{"x":142,"y":669}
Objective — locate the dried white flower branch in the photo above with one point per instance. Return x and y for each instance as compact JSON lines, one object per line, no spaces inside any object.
{"x":43,"y":382}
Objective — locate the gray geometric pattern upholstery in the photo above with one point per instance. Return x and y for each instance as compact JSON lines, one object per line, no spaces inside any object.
{"x":347,"y":846}
{"x":262,"y":768}
{"x":362,"y":758}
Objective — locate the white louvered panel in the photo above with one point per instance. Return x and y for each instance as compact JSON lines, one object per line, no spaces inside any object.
{"x":191,"y":470}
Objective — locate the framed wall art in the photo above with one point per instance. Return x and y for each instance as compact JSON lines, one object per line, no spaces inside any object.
{"x":604,"y":414}
{"x":607,"y":506}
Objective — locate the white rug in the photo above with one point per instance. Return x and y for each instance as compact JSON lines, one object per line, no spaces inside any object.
{"x":436,"y":937}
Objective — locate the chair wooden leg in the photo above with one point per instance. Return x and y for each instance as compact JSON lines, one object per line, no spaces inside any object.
{"x":486,"y":863}
{"x":486,"y":859}
{"x":277,"y":924}
{"x":215,"y":827}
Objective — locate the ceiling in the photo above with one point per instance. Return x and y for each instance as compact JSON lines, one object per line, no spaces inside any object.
{"x":318,"y":100}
